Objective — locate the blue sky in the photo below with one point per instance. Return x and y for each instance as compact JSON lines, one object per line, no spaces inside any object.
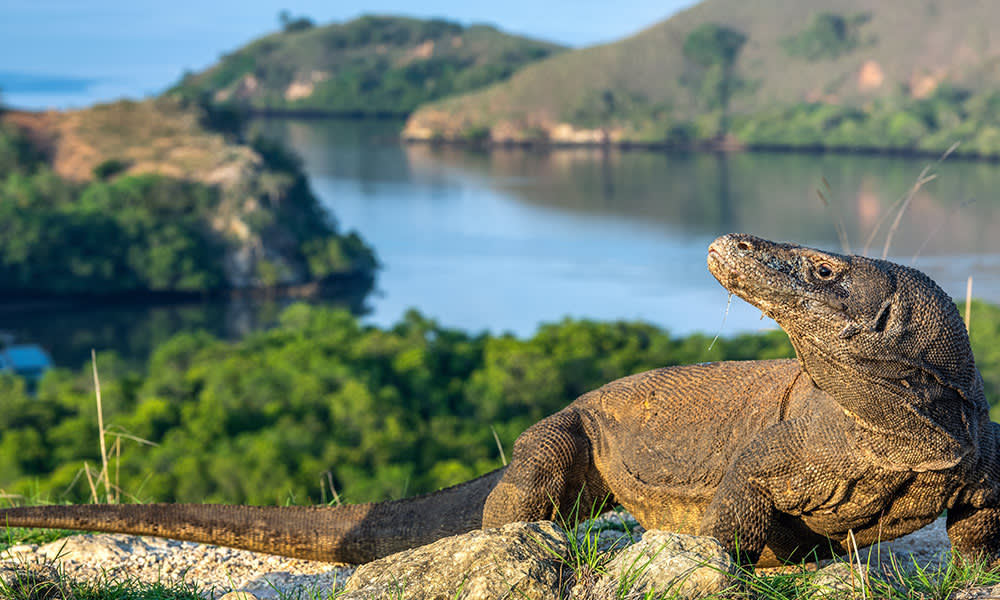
{"x":78,"y":52}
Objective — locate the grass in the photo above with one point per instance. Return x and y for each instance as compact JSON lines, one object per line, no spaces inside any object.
{"x":164,"y":136}
{"x":43,"y":581}
{"x":838,"y":578}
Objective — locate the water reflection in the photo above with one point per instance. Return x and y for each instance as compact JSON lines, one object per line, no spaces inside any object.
{"x":68,"y":330}
{"x":773,"y":195}
{"x":503,"y":240}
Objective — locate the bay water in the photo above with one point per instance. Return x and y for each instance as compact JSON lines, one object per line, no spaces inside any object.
{"x":505,"y":240}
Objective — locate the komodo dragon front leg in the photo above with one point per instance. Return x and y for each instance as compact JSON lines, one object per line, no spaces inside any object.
{"x":975,"y":532}
{"x":551,"y":475}
{"x":795,"y":468}
{"x":974,"y":519}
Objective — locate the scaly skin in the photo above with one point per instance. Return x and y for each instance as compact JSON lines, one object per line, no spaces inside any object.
{"x":877,"y":427}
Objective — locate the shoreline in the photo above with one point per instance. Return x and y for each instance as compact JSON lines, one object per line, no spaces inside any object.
{"x":727,"y":146}
{"x":722,"y":147}
{"x":18,"y":302}
{"x":311,"y":114}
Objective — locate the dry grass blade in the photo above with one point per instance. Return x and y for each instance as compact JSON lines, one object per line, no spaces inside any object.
{"x":924,"y":177}
{"x":6,"y":496}
{"x":90,"y":481}
{"x":862,"y":573}
{"x":333,"y":488}
{"x":100,"y":427}
{"x":840,"y":227}
{"x":968,"y":302}
{"x":113,"y":431}
{"x":503,"y":457}
{"x":903,"y":200}
{"x":878,"y":226}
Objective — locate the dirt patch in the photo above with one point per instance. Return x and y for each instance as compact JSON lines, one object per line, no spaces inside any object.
{"x":154,"y":136}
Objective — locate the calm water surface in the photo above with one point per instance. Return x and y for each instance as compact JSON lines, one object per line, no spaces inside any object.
{"x":503,"y":241}
{"x":507,"y":240}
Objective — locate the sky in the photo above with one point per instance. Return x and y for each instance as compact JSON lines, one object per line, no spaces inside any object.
{"x":68,"y":53}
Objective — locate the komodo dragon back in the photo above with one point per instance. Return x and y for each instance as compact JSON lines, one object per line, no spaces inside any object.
{"x":879,"y":427}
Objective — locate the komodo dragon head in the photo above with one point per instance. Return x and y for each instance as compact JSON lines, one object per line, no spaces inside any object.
{"x":883,"y":339}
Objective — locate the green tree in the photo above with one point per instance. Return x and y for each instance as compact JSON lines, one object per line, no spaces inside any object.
{"x":828,"y":36}
{"x":290,"y":24}
{"x":713,"y":50}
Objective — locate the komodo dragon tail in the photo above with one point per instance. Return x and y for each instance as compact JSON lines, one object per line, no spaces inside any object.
{"x":354,"y":533}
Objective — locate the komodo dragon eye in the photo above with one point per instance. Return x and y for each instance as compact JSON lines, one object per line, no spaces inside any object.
{"x":824,"y":271}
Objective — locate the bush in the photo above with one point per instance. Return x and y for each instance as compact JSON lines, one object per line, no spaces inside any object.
{"x":110,"y":167}
{"x":827,"y":37}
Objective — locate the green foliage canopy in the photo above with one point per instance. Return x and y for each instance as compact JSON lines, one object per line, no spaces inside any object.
{"x":386,"y":412}
{"x":135,"y":233}
{"x":150,"y":233}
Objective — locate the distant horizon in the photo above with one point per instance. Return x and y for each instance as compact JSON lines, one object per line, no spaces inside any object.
{"x":60,"y":54}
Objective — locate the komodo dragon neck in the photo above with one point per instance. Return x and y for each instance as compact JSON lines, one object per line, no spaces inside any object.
{"x":883,"y":339}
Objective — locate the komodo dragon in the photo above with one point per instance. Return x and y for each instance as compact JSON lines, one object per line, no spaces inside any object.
{"x":877,"y":427}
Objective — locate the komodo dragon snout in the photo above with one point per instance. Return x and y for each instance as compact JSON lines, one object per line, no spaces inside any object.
{"x":808,"y":291}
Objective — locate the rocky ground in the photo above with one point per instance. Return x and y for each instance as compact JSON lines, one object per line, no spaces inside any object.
{"x":216,"y":571}
{"x":212,"y":569}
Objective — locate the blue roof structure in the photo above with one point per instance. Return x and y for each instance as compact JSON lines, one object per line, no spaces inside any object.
{"x":24,"y":359}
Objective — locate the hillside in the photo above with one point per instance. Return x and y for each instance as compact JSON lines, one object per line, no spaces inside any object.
{"x":770,"y":73}
{"x":371,"y":65}
{"x":158,"y":196}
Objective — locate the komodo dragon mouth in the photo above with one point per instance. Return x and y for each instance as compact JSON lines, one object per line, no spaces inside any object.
{"x":778,"y":278}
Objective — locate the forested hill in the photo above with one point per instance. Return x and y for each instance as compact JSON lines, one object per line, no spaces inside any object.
{"x":161,"y":196}
{"x":856,"y":73}
{"x":371,"y":65}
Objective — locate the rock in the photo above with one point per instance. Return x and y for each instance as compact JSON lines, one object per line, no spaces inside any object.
{"x":686,"y":566}
{"x":978,"y":593}
{"x":238,"y":595}
{"x":18,"y":550}
{"x":927,"y":547}
{"x":838,"y":580}
{"x":103,"y":547}
{"x":609,"y":532}
{"x":517,"y":560}
{"x":213,"y":570}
